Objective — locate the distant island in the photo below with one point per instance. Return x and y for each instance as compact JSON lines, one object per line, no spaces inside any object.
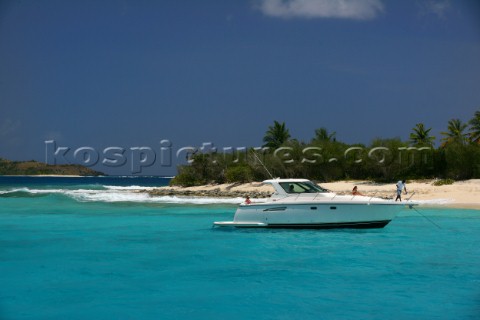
{"x":33,"y":168}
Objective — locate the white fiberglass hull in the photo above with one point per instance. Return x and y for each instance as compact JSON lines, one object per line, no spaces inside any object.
{"x":321,"y":214}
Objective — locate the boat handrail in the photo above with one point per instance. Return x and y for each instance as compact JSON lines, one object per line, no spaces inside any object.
{"x":296,"y":197}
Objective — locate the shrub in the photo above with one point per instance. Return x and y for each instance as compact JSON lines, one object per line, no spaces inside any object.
{"x":187,"y":177}
{"x":239,"y":174}
{"x":443,"y":182}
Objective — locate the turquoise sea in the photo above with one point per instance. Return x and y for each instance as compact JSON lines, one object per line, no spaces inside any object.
{"x":94,"y":248}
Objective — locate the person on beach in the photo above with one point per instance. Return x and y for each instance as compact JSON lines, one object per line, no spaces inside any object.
{"x":355,"y":192}
{"x":247,"y":200}
{"x":400,"y":187}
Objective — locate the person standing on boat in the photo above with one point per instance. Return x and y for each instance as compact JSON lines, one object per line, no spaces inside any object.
{"x":400,"y":187}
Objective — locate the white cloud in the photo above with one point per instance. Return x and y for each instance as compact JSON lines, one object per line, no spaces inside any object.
{"x":345,"y":9}
{"x":437,"y":7}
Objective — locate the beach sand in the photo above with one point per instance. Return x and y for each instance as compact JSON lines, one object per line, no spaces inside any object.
{"x":461,"y":194}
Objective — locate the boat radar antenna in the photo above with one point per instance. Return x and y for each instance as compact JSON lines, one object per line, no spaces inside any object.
{"x":255,"y":154}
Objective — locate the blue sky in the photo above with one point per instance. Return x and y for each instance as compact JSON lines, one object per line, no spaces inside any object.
{"x":133,"y":73}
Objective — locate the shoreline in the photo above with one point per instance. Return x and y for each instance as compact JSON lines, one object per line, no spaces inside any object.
{"x":460,"y":194}
{"x":45,"y":175}
{"x":228,"y":190}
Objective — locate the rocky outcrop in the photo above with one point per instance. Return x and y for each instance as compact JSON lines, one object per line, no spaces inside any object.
{"x":209,"y":193}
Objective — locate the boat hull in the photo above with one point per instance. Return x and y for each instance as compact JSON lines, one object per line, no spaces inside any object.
{"x":314,"y":215}
{"x":349,"y":225}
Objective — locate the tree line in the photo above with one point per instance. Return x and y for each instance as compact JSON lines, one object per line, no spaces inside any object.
{"x":325,"y":158}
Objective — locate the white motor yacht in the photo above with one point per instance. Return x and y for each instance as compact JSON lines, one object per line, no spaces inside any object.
{"x":300,"y":203}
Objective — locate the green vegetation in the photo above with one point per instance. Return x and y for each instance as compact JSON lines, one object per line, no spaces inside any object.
{"x":33,"y":167}
{"x":443,"y":182}
{"x":322,"y":134}
{"x":276,"y":135}
{"x":241,"y":173}
{"x":421,"y":136}
{"x":327,"y":159}
{"x":474,"y":134}
{"x":456,"y":133}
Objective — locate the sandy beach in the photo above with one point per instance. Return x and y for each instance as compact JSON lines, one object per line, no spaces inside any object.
{"x":461,"y":194}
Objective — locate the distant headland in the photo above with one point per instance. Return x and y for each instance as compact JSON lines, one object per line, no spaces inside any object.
{"x":34,"y":168}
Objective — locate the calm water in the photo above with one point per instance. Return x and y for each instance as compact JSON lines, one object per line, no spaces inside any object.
{"x":92,"y":248}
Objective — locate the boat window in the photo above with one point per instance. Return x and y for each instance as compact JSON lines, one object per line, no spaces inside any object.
{"x":301,"y":187}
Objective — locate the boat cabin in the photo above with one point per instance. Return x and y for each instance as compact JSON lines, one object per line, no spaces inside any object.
{"x":287,"y":187}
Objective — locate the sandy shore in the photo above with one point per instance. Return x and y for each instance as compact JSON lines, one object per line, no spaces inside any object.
{"x":461,"y":194}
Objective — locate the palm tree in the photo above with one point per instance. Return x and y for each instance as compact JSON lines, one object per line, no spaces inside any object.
{"x":276,"y":135}
{"x":421,"y":136}
{"x":455,"y":132}
{"x":322,"y":134}
{"x":475,"y":128}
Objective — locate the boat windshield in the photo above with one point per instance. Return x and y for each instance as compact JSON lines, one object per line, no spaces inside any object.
{"x":301,"y":187}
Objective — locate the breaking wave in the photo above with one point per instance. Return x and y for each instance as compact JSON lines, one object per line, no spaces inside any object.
{"x":134,"y":194}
